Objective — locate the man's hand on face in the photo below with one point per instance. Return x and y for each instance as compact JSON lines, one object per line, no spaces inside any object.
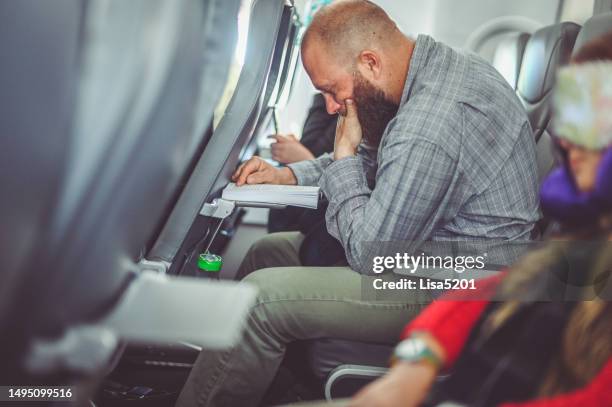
{"x":288,"y":149}
{"x":348,"y":132}
{"x":258,"y":171}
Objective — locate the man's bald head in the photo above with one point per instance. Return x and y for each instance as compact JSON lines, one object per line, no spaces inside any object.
{"x":353,"y":50}
{"x":346,"y":27}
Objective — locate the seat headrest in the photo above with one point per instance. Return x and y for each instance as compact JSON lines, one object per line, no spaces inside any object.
{"x":509,"y":55}
{"x":546,"y":50}
{"x":593,"y":28}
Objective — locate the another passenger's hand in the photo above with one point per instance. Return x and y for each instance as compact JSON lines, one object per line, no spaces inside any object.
{"x":405,"y":385}
{"x":258,"y":171}
{"x":348,"y":132}
{"x":288,"y":149}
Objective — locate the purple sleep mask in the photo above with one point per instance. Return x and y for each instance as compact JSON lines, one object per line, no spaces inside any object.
{"x":562,"y":201}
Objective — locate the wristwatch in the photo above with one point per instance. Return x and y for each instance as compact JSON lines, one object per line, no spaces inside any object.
{"x":413,"y":350}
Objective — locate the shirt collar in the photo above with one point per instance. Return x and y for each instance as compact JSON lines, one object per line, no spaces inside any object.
{"x":423,"y":45}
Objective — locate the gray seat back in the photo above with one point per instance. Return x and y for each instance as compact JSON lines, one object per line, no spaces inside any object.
{"x":144,"y":92}
{"x":279,"y":76}
{"x":290,"y":57}
{"x":39,"y":42}
{"x":546,"y":50}
{"x":279,"y":58}
{"x":223,"y":151}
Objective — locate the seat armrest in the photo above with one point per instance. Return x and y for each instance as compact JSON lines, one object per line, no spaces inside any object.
{"x":347,"y":372}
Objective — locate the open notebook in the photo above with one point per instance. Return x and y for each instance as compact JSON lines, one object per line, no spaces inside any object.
{"x":291,"y":195}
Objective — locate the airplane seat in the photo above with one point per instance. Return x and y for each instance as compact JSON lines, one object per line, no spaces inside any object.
{"x":183,"y":229}
{"x":509,"y":55}
{"x":344,"y":366}
{"x":40,"y":48}
{"x":145,"y":74}
{"x":547,"y":50}
{"x":283,"y":64}
{"x":347,"y":365}
{"x":282,"y":50}
{"x":594,"y":27}
{"x":290,"y":60}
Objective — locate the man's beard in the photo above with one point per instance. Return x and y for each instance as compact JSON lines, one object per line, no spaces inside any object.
{"x":374,"y":109}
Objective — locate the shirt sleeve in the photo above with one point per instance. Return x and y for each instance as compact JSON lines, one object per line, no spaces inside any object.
{"x":413,"y":182}
{"x":368,"y":161}
{"x":596,"y":393}
{"x":309,"y":172}
{"x":451,"y":318}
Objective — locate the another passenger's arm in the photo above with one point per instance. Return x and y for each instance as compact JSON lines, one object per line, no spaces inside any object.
{"x":404,"y":385}
{"x":288,"y":149}
{"x":449,"y":320}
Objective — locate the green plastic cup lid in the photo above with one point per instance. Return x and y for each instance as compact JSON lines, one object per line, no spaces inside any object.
{"x":210,"y":262}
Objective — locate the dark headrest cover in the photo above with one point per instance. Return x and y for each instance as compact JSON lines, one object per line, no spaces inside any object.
{"x":593,"y":28}
{"x":547,"y":49}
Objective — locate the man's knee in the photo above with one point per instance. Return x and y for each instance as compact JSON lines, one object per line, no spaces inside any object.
{"x":278,"y":292}
{"x":274,"y":250}
{"x":270,"y":282}
{"x":257,"y":256}
{"x":264,"y":246}
{"x":271,"y":312}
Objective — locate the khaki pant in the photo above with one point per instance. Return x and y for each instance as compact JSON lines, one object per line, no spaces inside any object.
{"x":294,"y":303}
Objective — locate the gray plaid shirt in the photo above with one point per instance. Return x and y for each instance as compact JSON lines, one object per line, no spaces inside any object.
{"x":457,"y":162}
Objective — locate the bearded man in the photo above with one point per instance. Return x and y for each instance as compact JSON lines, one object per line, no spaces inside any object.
{"x":431,"y":145}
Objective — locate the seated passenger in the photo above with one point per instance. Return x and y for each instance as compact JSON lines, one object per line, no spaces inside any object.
{"x":541,"y":346}
{"x":432,"y":145}
{"x":317,"y":136}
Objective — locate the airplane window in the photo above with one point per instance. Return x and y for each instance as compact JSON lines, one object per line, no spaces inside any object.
{"x":577,"y":11}
{"x":244,"y":16}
